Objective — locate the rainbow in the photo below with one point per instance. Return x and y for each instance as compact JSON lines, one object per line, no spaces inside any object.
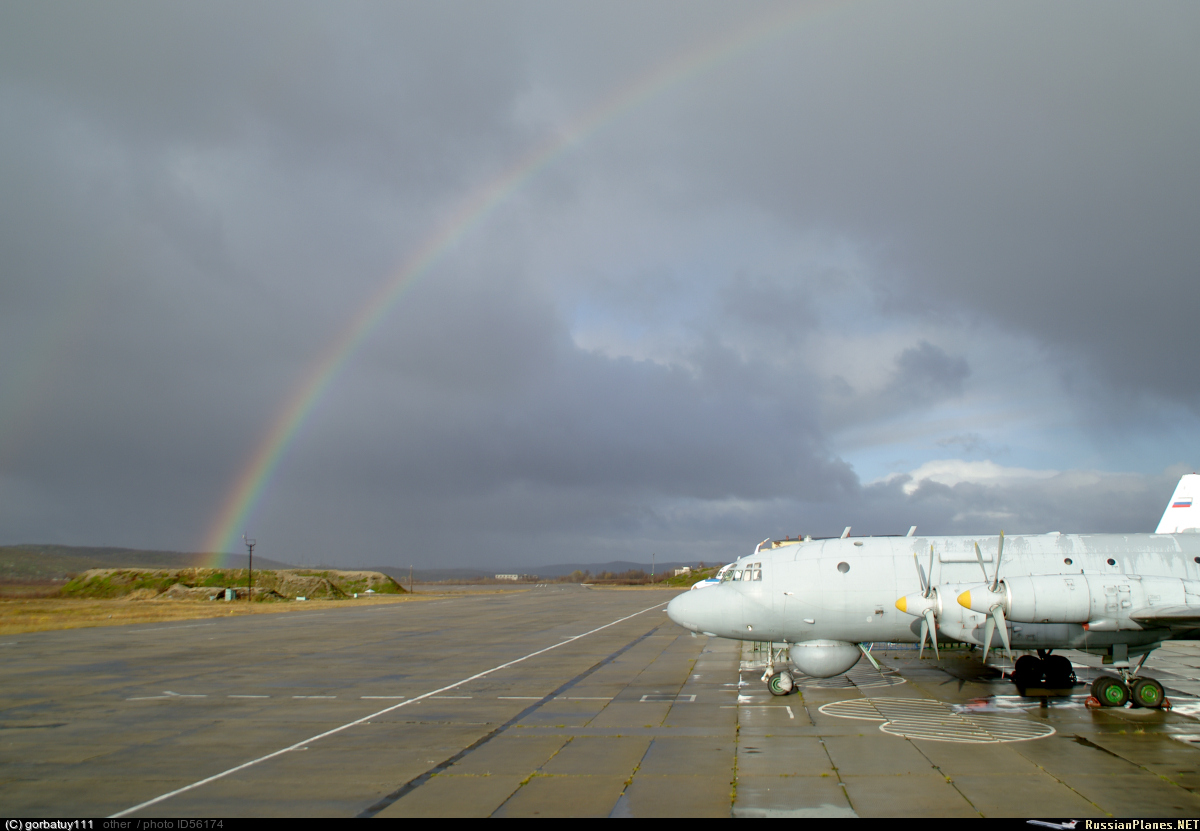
{"x":249,"y":487}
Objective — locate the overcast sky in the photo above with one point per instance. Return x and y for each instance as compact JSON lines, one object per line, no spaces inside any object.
{"x":793,"y":267}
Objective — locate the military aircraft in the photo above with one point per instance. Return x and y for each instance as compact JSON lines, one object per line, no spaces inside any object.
{"x":1116,"y":595}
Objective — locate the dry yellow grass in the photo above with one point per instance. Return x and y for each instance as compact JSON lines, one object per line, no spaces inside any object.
{"x":18,"y":616}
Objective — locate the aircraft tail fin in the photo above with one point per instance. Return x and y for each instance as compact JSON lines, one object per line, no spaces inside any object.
{"x":1183,"y":511}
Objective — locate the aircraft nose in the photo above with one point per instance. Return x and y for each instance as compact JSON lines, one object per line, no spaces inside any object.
{"x":711,"y":611}
{"x":685,"y":609}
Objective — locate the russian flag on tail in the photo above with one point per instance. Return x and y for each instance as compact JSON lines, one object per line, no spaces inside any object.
{"x":1187,"y":520}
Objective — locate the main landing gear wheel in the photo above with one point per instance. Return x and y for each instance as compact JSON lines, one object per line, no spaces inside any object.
{"x":781,"y":683}
{"x":1059,"y":673}
{"x":1110,"y":692}
{"x":1027,"y":670}
{"x":1146,"y":692}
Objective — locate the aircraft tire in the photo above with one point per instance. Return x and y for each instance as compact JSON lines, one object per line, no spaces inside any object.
{"x":1146,"y":692}
{"x":1058,"y":671}
{"x":780,"y":683}
{"x":1110,"y":692}
{"x":1027,"y":670}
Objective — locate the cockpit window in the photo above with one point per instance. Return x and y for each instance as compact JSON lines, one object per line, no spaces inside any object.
{"x":752,"y":571}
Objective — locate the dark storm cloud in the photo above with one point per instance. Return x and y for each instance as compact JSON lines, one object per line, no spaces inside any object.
{"x":1034,"y":165}
{"x":648,"y":346}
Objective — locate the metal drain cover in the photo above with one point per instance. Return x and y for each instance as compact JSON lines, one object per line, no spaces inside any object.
{"x":932,"y":720}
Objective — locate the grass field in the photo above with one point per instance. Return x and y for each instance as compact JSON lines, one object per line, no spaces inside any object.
{"x":41,"y":614}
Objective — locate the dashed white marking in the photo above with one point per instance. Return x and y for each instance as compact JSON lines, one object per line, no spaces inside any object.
{"x":249,"y":696}
{"x":314,"y":696}
{"x":519,"y":697}
{"x":789,"y":709}
{"x":590,"y":698}
{"x":166,"y":694}
{"x":654,"y":698}
{"x":356,"y":722}
{"x":381,"y":697}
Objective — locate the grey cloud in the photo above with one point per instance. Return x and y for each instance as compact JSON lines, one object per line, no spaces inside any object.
{"x":202,"y":198}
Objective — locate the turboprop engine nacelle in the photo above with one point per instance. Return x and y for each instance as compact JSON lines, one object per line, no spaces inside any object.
{"x":1079,"y":598}
{"x":824,"y":659}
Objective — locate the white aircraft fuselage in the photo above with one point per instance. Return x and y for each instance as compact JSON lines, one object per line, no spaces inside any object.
{"x":847,"y":590}
{"x":1114,"y":594}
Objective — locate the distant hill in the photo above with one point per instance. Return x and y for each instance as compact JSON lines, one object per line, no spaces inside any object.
{"x":20,"y":563}
{"x":58,"y":562}
{"x":466,"y":575}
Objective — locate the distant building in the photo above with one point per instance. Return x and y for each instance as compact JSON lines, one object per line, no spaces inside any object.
{"x":526,"y":578}
{"x":684,"y":570}
{"x":513,"y":577}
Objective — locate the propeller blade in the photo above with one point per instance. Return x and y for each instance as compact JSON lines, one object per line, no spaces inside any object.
{"x":921,"y":575}
{"x":930,"y":590}
{"x":998,"y":618}
{"x":924,"y":634}
{"x":999,"y":554}
{"x":988,"y":629}
{"x":979,"y":557}
{"x":931,"y":622}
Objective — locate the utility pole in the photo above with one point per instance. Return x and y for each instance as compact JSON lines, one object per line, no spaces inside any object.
{"x":410,"y":579}
{"x":652,"y":556}
{"x":250,"y":577}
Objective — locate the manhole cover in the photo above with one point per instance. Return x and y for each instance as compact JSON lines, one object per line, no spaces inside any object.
{"x":927,"y":718}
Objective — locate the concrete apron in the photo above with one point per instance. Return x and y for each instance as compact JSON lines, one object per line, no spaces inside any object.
{"x":949,"y":739}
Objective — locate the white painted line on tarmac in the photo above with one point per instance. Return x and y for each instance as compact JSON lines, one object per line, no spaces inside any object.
{"x":382,"y":697}
{"x":451,"y":696}
{"x":314,"y":696}
{"x":356,"y":722}
{"x":590,"y":698}
{"x":249,"y":696}
{"x":519,"y":697}
{"x":789,"y":709}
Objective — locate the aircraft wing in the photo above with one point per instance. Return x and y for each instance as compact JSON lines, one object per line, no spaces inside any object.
{"x":1171,"y":617}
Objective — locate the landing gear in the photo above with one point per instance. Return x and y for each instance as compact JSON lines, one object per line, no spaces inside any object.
{"x":1110,"y":692}
{"x":1058,"y":672}
{"x":781,"y":683}
{"x":1027,"y":670}
{"x":1137,"y":691}
{"x":1146,"y":692}
{"x":1045,"y":672}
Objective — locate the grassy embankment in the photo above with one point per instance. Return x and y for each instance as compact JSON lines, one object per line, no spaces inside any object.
{"x":114,"y":597}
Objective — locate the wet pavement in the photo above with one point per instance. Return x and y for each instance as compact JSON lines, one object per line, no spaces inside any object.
{"x":951,"y":738}
{"x":554,"y":701}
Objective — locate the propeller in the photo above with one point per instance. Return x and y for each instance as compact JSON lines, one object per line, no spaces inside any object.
{"x":992,"y":601}
{"x":922,"y":605}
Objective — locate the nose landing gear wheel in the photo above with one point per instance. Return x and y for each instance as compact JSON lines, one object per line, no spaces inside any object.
{"x":1110,"y":692}
{"x":1146,"y":692}
{"x":780,"y":683}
